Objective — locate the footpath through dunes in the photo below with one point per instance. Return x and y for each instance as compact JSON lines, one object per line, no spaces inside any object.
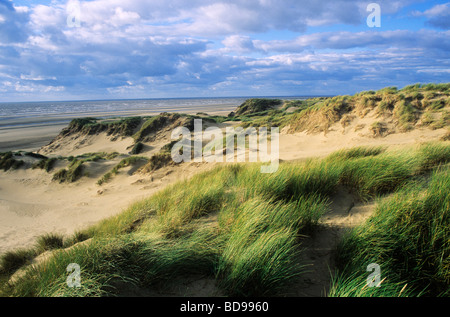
{"x":318,"y":249}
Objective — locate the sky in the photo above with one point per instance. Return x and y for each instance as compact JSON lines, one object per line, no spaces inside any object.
{"x":111,"y":49}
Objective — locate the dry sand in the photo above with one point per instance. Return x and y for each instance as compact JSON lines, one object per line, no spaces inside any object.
{"x":31,"y":204}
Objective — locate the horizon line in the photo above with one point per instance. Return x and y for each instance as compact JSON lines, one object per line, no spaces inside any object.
{"x":170,"y":98}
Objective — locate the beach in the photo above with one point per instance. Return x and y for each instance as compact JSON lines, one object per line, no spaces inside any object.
{"x":30,"y":132}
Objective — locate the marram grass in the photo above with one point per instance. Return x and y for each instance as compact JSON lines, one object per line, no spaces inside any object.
{"x":242,"y":228}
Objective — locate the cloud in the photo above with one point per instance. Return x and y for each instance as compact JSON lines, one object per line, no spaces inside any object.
{"x":427,"y":39}
{"x":176,"y":48}
{"x":13,"y":23}
{"x":438,"y":16}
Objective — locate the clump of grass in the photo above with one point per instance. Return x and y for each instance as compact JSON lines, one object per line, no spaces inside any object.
{"x":36,"y":155}
{"x":7,"y":162}
{"x":45,"y":164}
{"x":379,"y":175}
{"x":433,"y":154}
{"x":346,"y":120}
{"x":446,"y":136}
{"x":168,"y":147}
{"x":161,"y":159}
{"x":137,"y":148}
{"x":259,"y":266}
{"x":157,"y":161}
{"x":406,"y":114}
{"x":11,"y":261}
{"x":153,"y":125}
{"x":70,"y":175}
{"x":378,"y":129}
{"x":252,"y":106}
{"x":122,"y":127}
{"x":443,"y":121}
{"x":355,"y":285}
{"x":77,"y":237}
{"x":50,"y":241}
{"x":356,"y":152}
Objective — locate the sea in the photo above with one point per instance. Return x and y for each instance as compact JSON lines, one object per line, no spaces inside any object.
{"x":16,"y":114}
{"x":30,"y":125}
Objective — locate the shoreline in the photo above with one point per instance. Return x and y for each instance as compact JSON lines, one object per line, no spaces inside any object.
{"x":31,"y":133}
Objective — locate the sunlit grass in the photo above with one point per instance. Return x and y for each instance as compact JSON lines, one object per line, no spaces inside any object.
{"x":242,"y":228}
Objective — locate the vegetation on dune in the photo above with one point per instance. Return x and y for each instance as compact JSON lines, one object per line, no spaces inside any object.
{"x":252,"y":106}
{"x":7,"y":161}
{"x":415,"y":105}
{"x":74,"y":170}
{"x":137,"y":148}
{"x":155,"y":124}
{"x":71,"y":174}
{"x":408,"y":237}
{"x":159,"y":160}
{"x":45,"y":164}
{"x":243,"y":229}
{"x":36,"y":155}
{"x":50,"y":242}
{"x":121,"y":127}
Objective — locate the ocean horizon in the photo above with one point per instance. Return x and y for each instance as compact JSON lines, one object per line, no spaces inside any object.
{"x":20,"y":114}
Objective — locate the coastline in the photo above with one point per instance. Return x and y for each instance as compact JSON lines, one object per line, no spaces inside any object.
{"x":31,"y":133}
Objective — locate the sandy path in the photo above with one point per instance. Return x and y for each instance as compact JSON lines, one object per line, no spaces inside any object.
{"x":317,"y":250}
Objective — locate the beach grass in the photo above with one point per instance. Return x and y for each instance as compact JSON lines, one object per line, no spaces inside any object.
{"x":7,"y":162}
{"x":243,"y":229}
{"x":408,"y":236}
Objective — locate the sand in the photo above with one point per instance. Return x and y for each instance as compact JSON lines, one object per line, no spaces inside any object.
{"x":31,"y":204}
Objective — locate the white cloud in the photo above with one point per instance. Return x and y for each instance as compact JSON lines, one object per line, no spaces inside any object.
{"x":438,"y":16}
{"x":193,"y":46}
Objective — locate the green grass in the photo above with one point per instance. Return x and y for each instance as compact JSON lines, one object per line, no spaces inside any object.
{"x":45,"y":164}
{"x":137,"y":148}
{"x":7,"y":162}
{"x":243,"y":229}
{"x":408,"y":237}
{"x":71,"y":174}
{"x":153,"y":124}
{"x":252,"y":106}
{"x":11,"y":261}
{"x":36,"y":155}
{"x":406,"y":106}
{"x":50,"y":241}
{"x":121,"y":127}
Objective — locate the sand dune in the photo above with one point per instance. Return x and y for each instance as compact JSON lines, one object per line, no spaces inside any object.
{"x":31,"y":204}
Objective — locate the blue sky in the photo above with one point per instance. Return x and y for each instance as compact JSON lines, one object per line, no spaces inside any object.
{"x":111,"y":49}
